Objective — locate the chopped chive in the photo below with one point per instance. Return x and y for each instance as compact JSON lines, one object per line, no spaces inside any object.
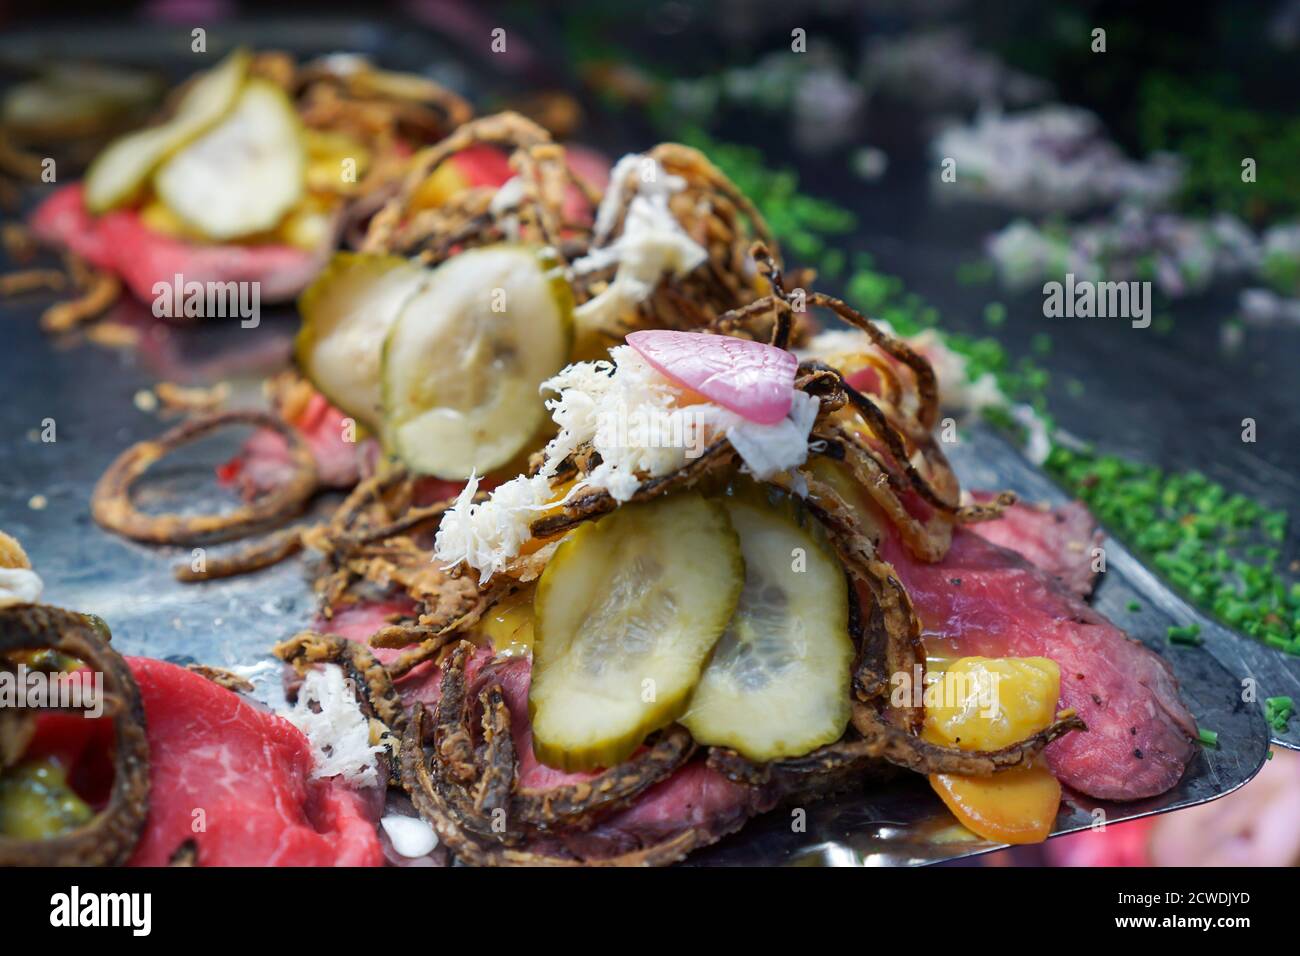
{"x":1278,"y":711}
{"x":1134,"y":607}
{"x":1209,"y":738}
{"x":1190,"y":634}
{"x":1201,"y":537}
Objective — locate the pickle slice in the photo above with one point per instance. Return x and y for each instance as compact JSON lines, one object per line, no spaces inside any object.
{"x":778,"y":684}
{"x":627,"y":612}
{"x":117,"y":175}
{"x":346,"y":315}
{"x":464,"y":361}
{"x":245,"y":173}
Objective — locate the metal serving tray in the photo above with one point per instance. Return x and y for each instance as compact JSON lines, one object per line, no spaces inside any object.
{"x":88,"y":392}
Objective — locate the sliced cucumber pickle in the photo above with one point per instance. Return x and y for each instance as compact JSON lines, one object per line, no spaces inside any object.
{"x":346,"y":315}
{"x":118,"y":174}
{"x":778,"y":683}
{"x":626,"y":615}
{"x":244,"y":174}
{"x":464,"y":361}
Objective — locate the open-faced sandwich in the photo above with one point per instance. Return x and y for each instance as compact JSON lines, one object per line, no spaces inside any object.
{"x":111,"y":760}
{"x":479,"y":279}
{"x":734,"y":578}
{"x":465,"y":299}
{"x":665,"y":644}
{"x":255,"y":172}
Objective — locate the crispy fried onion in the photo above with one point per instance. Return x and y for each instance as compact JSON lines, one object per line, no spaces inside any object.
{"x":111,"y":502}
{"x":376,"y":694}
{"x":886,"y":440}
{"x":842,"y":763}
{"x":713,"y":211}
{"x":888,"y":633}
{"x":904,"y":750}
{"x":97,"y":289}
{"x":890,"y":643}
{"x":260,"y":554}
{"x":349,"y":95}
{"x":354,"y":543}
{"x":717,"y":459}
{"x":933,"y":480}
{"x":111,"y":836}
{"x":466,"y":221}
{"x":710,"y":209}
{"x":378,"y":538}
{"x":464,"y":784}
{"x":438,"y":628}
{"x":223,"y":677}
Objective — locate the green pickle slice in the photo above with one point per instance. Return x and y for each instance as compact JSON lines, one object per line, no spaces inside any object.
{"x":628,"y":611}
{"x":346,"y":315}
{"x":464,"y":361}
{"x":120,"y":172}
{"x":778,"y":683}
{"x":243,"y":175}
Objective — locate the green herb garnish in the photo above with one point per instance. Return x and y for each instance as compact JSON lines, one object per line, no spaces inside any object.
{"x":1203,"y":538}
{"x":1190,"y":635}
{"x":1278,"y":711}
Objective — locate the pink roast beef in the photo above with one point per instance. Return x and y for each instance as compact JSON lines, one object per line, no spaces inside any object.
{"x":236,"y":780}
{"x":985,"y":600}
{"x":121,"y":242}
{"x":1057,"y":540}
{"x":695,"y":797}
